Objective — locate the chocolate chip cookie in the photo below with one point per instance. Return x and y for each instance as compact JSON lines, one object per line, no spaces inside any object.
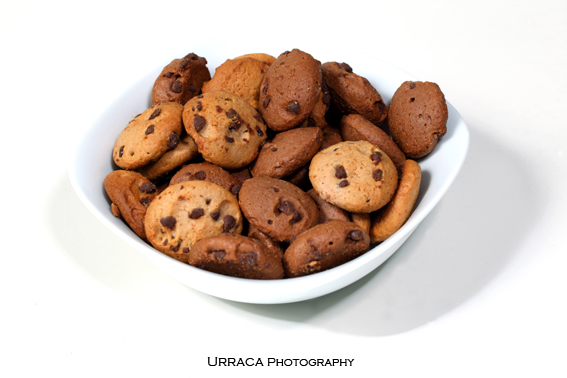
{"x":207,"y":172}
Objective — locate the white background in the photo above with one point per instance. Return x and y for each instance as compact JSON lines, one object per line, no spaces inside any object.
{"x":477,"y":291}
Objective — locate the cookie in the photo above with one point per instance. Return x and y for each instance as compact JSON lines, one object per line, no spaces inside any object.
{"x":227,"y":129}
{"x":265,"y":58}
{"x":148,"y":136}
{"x":393,"y":216}
{"x":287,"y":152}
{"x":290,"y":89}
{"x":418,"y":117}
{"x":241,"y":76}
{"x":354,"y":176}
{"x":355,"y":127}
{"x":353,"y":94}
{"x":325,"y":246}
{"x":331,"y":136}
{"x":187,"y":212}
{"x":181,"y":79}
{"x":317,"y":115}
{"x":130,"y":193}
{"x":241,"y":174}
{"x":277,"y":208}
{"x":300,"y":178}
{"x":327,"y":211}
{"x":185,"y":151}
{"x":236,"y":256}
{"x":361,"y":219}
{"x":207,"y":172}
{"x":267,"y":241}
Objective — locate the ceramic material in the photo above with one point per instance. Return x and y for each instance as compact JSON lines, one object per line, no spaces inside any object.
{"x":92,"y":161}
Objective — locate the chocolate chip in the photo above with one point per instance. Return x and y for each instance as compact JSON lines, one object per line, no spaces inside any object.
{"x":231,"y":113}
{"x":215,"y":215}
{"x":376,"y":157}
{"x":266,"y":102}
{"x":258,"y":118}
{"x":145,"y":201}
{"x":412,"y":85}
{"x":270,"y":221}
{"x":185,"y":250}
{"x":249,"y":258}
{"x":346,"y":67}
{"x":355,"y":235}
{"x":274,"y":149}
{"x":340,"y":172}
{"x":229,"y":139}
{"x":173,"y":140}
{"x":192,"y":88}
{"x":168,"y":74}
{"x":199,"y":122}
{"x":199,"y":105}
{"x":235,"y":190}
{"x":286,"y":207}
{"x":343,"y":183}
{"x":293,"y":107}
{"x":176,"y":87}
{"x":192,"y":56}
{"x":229,"y":223}
{"x":259,"y":131}
{"x":175,"y":248}
{"x":265,"y":89}
{"x":201,"y":175}
{"x":275,"y":189}
{"x":156,"y":113}
{"x":196,"y":213}
{"x":326,"y":99}
{"x":218,"y":255}
{"x":381,"y":105}
{"x":147,"y":187}
{"x":219,"y":109}
{"x":208,"y":201}
{"x":121,"y":151}
{"x":296,"y":217}
{"x":168,"y":222}
{"x":150,"y":130}
{"x":377,"y":175}
{"x":164,"y":242}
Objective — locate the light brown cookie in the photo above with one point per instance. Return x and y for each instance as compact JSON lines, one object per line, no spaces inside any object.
{"x":287,"y":152}
{"x":354,"y":176}
{"x":236,"y":256}
{"x":352,"y":93}
{"x":393,"y":216}
{"x":227,"y":129}
{"x":325,"y":246}
{"x":185,"y":151}
{"x":181,"y":79}
{"x":130,"y":193}
{"x":361,"y":219}
{"x":266,"y":58}
{"x":277,"y":208}
{"x":290,"y":90}
{"x":207,"y":172}
{"x":189,"y":211}
{"x":418,"y":117}
{"x":148,"y":136}
{"x":241,"y":76}
{"x":355,"y":127}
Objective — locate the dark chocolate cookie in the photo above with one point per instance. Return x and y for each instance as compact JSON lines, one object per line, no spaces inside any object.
{"x":325,"y":246}
{"x":277,"y":208}
{"x":418,"y":117}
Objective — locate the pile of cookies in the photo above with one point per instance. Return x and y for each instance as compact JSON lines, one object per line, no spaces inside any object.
{"x":273,"y":167}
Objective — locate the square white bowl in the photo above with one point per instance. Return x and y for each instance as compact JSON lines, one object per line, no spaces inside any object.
{"x":92,"y":161}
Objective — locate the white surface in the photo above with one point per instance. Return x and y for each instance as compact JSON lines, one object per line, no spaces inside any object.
{"x":477,"y":290}
{"x":90,"y":164}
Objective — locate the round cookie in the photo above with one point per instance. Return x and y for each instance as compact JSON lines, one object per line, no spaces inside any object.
{"x":181,"y":79}
{"x":148,"y":136}
{"x":207,"y":172}
{"x":355,"y":127}
{"x":241,"y":76}
{"x":277,"y":208}
{"x":287,"y":152}
{"x":130,"y":193}
{"x":236,"y":256}
{"x":227,"y":129}
{"x":290,"y":89}
{"x":418,"y":117}
{"x":393,"y":216}
{"x":266,"y":58}
{"x":266,"y":241}
{"x":327,"y":211}
{"x":317,"y":115}
{"x":351,"y":93}
{"x":189,"y":211}
{"x":325,"y":246}
{"x":354,"y":176}
{"x":185,"y":151}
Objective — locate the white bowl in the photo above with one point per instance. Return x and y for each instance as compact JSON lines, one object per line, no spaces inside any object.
{"x":92,"y":161}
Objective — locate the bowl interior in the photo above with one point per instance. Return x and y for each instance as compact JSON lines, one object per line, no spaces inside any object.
{"x":92,"y":161}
